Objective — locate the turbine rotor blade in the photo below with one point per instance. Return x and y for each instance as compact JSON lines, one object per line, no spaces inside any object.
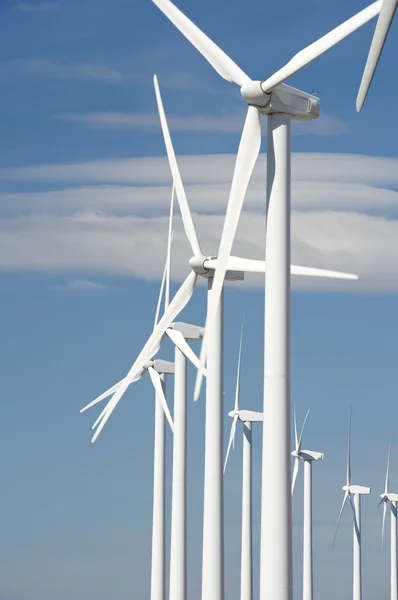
{"x":186,"y":215}
{"x":163,"y":282}
{"x":249,"y":149}
{"x":316,"y":49}
{"x":152,"y":345}
{"x":237,"y":389}
{"x":340,"y":515}
{"x":384,"y":522}
{"x":302,"y":431}
{"x":249,"y":265}
{"x":222,"y":63}
{"x":388,"y":470}
{"x":108,"y":392}
{"x":168,"y":253}
{"x":348,"y":478}
{"x":386,"y":16}
{"x":295,"y":473}
{"x":231,"y":441}
{"x":157,"y":384}
{"x":295,"y":427}
{"x":178,"y":340}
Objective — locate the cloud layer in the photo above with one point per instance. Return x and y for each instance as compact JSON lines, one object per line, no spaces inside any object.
{"x":111,"y":219}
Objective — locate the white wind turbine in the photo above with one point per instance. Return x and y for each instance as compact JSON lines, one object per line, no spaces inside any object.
{"x":213,"y":551}
{"x":354,"y":493}
{"x":280,"y":103}
{"x":247,"y":417}
{"x":178,"y":333}
{"x":383,"y":25}
{"x":307,"y":456}
{"x":386,"y":497}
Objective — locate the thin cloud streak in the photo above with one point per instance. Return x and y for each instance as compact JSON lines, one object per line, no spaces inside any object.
{"x":226,"y":123}
{"x":37,"y":67}
{"x":38,"y":7}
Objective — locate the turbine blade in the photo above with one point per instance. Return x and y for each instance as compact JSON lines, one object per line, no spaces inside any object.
{"x":248,"y":152}
{"x":179,"y":302}
{"x":160,"y":295}
{"x":348,"y":478}
{"x":340,"y":515}
{"x":168,"y":253}
{"x":108,"y":392}
{"x":384,"y":522}
{"x":313,"y":272}
{"x":178,"y":339}
{"x":295,"y":427}
{"x":231,"y":441}
{"x":248,"y":265}
{"x":383,"y":25}
{"x":222,"y":63}
{"x":388,"y":470}
{"x":302,"y":431}
{"x":316,"y":49}
{"x":157,"y":384}
{"x":186,"y":215}
{"x":237,"y":389}
{"x":295,"y":473}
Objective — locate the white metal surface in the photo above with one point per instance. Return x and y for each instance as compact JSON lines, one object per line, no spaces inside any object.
{"x":213,"y":518}
{"x":276,"y":579}
{"x":158,"y":512}
{"x":246,"y":583}
{"x":178,"y":543}
{"x":357,"y":561}
{"x":307,"y":533}
{"x":394,"y":582}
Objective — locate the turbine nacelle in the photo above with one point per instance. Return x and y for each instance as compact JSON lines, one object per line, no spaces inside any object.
{"x":283,"y":99}
{"x":389,"y":497}
{"x":190,"y":332}
{"x":308,"y":455}
{"x":247,"y":416}
{"x":356,"y":489}
{"x":206,"y":265}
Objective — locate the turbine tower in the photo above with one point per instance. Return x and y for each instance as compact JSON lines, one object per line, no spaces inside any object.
{"x":386,"y":497}
{"x":354,"y":493}
{"x":247,"y":417}
{"x":280,"y":103}
{"x":307,"y":456}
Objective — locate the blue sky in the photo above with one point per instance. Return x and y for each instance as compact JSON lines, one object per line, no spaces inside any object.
{"x":84,"y":191}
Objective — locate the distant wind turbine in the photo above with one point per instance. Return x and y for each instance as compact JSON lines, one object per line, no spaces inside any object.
{"x":386,"y":497}
{"x":307,"y":456}
{"x":354,"y":493}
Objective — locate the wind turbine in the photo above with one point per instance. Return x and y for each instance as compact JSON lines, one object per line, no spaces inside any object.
{"x":386,"y":497}
{"x":307,"y":456}
{"x":213,"y":551}
{"x":354,"y":493}
{"x":247,"y":417}
{"x":281,"y":103}
{"x":382,"y":28}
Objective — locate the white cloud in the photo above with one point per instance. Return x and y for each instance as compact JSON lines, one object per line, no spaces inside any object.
{"x":79,"y":285}
{"x":225,"y":123}
{"x":38,"y":67}
{"x":36,"y":7}
{"x":344,"y":218}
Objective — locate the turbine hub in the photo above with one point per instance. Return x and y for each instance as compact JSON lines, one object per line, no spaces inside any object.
{"x":197,"y":265}
{"x":254,"y":95}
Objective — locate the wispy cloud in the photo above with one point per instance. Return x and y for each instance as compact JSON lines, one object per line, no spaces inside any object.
{"x":37,"y":67}
{"x":79,"y":285}
{"x":225,"y":123}
{"x":344,"y":218}
{"x":36,"y":7}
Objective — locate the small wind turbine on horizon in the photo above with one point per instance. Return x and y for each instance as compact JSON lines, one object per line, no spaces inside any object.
{"x":386,"y":497}
{"x":354,"y":493}
{"x":247,"y":417}
{"x":307,"y":456}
